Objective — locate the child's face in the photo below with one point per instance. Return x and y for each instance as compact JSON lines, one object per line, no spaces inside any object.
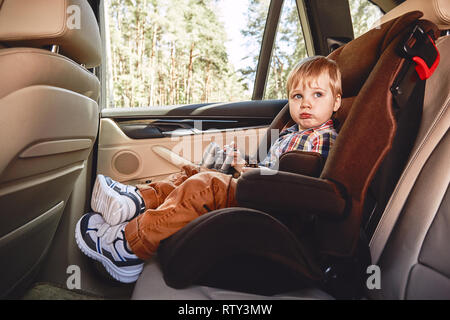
{"x":312,"y":103}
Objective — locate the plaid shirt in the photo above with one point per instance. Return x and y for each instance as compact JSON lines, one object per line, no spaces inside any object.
{"x":318,"y":139}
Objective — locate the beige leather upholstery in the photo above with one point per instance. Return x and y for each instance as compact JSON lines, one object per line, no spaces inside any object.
{"x":157,"y":289}
{"x":25,"y":67}
{"x":434,"y":125}
{"x":437,"y":11}
{"x":415,"y":264}
{"x":411,"y":242}
{"x":48,"y":124}
{"x":39,"y":23}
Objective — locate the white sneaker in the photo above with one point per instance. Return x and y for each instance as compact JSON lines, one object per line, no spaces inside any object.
{"x":115,"y":201}
{"x":107,"y":244}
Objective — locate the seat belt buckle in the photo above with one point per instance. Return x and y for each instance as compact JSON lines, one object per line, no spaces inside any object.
{"x":420,"y":48}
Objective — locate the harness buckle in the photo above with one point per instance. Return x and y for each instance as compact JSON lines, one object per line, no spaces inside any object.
{"x":420,"y":48}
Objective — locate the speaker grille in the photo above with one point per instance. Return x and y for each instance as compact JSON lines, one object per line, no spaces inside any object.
{"x":126,"y":162}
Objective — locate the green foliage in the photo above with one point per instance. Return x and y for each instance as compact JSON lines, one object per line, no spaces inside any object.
{"x":364,"y":14}
{"x":169,"y":52}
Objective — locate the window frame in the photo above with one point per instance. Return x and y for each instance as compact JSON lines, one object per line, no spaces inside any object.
{"x":268,"y":42}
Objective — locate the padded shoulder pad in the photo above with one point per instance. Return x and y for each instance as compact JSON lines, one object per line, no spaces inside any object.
{"x":302,"y":162}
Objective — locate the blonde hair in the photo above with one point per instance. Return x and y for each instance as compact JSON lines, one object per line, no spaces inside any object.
{"x":311,"y":68}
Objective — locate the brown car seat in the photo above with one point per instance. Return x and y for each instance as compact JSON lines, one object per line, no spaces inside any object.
{"x":303,"y":230}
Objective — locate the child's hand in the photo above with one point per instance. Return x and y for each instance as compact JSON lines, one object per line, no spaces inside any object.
{"x":238,"y":161}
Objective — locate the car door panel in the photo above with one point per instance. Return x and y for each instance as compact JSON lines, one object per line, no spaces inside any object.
{"x":128,"y":137}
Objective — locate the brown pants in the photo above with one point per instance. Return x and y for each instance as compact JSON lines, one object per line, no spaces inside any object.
{"x":173,"y":203}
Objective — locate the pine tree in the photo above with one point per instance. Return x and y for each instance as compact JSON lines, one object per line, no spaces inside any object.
{"x":169,"y":52}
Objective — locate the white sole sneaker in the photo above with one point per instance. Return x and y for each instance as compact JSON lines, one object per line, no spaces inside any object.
{"x":124,"y":274}
{"x":116,"y":206}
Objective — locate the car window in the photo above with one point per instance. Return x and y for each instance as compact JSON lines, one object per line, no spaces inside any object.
{"x":181,"y":51}
{"x":289,"y":48}
{"x":364,"y":14}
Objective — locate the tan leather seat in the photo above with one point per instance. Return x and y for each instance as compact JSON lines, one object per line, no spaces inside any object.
{"x":436,"y":11}
{"x":48,"y":122}
{"x":410,"y":244}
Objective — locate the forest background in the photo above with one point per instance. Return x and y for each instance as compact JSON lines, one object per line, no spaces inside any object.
{"x":171,"y":52}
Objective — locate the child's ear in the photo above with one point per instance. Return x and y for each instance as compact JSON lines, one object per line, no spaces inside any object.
{"x":337,"y":102}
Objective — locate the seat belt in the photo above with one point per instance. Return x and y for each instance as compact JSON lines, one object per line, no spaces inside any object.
{"x":417,"y":160}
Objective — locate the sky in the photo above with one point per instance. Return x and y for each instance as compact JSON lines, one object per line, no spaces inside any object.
{"x":233,"y":16}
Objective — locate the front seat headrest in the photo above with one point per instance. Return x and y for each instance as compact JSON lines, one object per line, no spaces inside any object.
{"x":436,"y":11}
{"x":70,"y":24}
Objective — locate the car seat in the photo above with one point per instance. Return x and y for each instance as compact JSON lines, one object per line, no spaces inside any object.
{"x":332,"y":226}
{"x":48,"y":123}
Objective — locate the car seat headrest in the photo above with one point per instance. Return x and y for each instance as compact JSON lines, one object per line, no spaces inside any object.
{"x":69,"y":24}
{"x":357,"y":58}
{"x":436,"y":11}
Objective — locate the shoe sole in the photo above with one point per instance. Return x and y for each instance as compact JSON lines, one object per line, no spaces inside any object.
{"x":107,"y":202}
{"x":124,"y":274}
